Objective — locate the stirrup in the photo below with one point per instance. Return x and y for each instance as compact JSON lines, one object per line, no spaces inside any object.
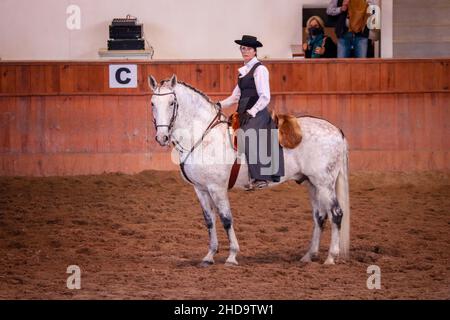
{"x":260,"y":184}
{"x":254,"y":185}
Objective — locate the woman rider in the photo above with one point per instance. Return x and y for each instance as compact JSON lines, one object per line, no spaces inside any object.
{"x":252,"y":92}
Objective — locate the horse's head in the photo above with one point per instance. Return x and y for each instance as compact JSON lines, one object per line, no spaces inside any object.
{"x":164,"y":107}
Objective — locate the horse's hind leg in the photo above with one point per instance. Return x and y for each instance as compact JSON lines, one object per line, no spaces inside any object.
{"x":328,"y":206}
{"x":335,"y":215}
{"x":324,"y":202}
{"x":319,"y":217}
{"x":220,"y":198}
{"x":209,"y":210}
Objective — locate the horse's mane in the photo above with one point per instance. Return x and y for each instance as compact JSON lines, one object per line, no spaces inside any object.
{"x":163,"y":82}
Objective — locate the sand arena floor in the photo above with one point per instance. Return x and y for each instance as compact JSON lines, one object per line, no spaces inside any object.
{"x":142,"y":236}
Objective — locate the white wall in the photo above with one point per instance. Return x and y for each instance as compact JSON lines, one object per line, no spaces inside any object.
{"x":177,"y":29}
{"x":387,"y":29}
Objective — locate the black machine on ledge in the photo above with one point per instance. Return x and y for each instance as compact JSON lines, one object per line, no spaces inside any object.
{"x":126,"y":34}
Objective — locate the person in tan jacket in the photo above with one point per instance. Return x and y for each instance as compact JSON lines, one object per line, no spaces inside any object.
{"x":351,"y":29}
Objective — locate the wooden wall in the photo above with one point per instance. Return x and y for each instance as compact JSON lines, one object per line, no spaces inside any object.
{"x":61,"y":118}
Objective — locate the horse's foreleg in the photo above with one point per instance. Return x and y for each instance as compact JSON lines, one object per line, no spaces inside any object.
{"x":220,"y":198}
{"x":208,"y":208}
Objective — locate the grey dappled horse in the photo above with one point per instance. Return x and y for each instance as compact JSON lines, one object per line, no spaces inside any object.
{"x":198,"y":129}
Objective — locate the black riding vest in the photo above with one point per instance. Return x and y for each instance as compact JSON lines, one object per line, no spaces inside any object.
{"x":249,"y":94}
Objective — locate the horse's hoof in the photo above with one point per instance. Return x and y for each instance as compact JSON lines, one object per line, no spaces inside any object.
{"x":231,"y":263}
{"x":310,"y":257}
{"x":306,"y":259}
{"x":329,"y":261}
{"x":205,"y":264}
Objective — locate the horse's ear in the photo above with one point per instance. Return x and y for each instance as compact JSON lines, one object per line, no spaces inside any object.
{"x":173,"y":81}
{"x":152,"y":83}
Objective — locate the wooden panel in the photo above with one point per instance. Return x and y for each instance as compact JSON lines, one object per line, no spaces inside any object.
{"x":62,"y":117}
{"x":332,"y":76}
{"x":316,"y":77}
{"x":23,"y":79}
{"x":8,"y":79}
{"x":354,"y":126}
{"x":36,"y":135}
{"x":297,"y":105}
{"x":314,"y":106}
{"x":330,"y":110}
{"x":335,"y":76}
{"x":417,"y":76}
{"x":228,"y":76}
{"x":81,"y":78}
{"x":443,"y":102}
{"x":417,"y":115}
{"x":343,"y":77}
{"x":387,"y":76}
{"x":49,"y":164}
{"x":67,"y":78}
{"x":357,"y":77}
{"x":444,"y":74}
{"x":207,"y":77}
{"x":429,"y":76}
{"x":403,"y":124}
{"x":9,"y":139}
{"x":434,"y":121}
{"x":164,"y":71}
{"x":398,"y":160}
{"x":402,"y":76}
{"x":373,"y":77}
{"x":38,"y":79}
{"x":86,"y":163}
{"x":388,"y":131}
{"x":143,"y":75}
{"x":22,"y":115}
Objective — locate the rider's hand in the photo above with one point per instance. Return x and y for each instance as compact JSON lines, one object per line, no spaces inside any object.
{"x":243,"y":118}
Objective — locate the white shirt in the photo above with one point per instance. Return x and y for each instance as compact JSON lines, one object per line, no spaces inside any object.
{"x":262,"y":87}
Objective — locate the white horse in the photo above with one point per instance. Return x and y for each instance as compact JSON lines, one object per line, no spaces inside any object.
{"x":320,"y":160}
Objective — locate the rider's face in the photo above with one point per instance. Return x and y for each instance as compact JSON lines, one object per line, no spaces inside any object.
{"x":248,"y":53}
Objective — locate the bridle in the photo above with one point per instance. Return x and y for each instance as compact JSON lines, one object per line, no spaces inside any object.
{"x":174,"y":113}
{"x":214,"y":122}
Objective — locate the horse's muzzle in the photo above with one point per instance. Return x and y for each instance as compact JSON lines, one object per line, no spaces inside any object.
{"x":163,"y":140}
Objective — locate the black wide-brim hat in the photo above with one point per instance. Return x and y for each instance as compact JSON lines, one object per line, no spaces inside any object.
{"x":249,"y":41}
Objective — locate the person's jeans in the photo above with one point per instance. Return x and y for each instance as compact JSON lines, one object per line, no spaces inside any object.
{"x":349,"y":41}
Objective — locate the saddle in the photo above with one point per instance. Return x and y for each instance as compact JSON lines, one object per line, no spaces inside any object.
{"x":289,"y":132}
{"x":289,"y":136}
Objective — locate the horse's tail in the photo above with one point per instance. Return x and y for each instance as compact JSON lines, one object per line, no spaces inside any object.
{"x":343,"y":196}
